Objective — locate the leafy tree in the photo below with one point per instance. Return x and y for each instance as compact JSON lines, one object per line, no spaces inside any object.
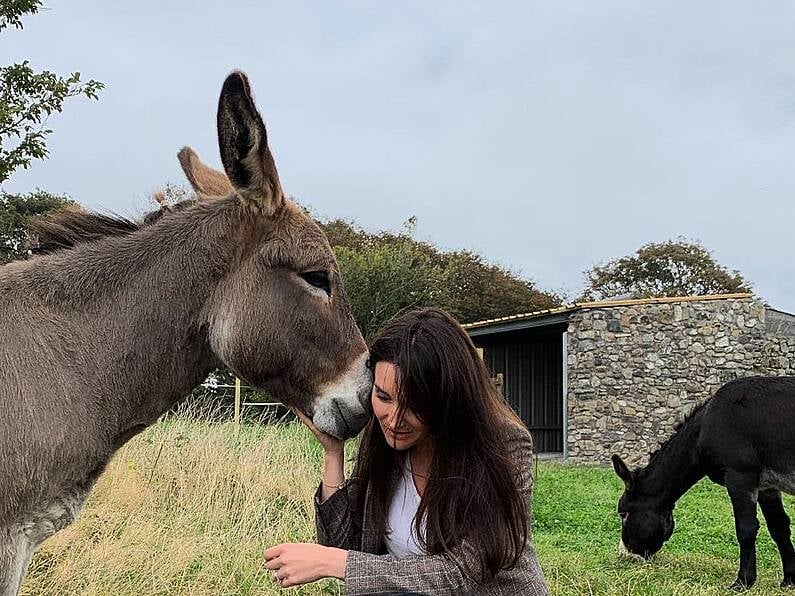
{"x":672,"y":268}
{"x":28,"y":98}
{"x":383,"y":279}
{"x":476,"y":290}
{"x":16,"y":211}
{"x":387,"y":272}
{"x":11,"y":12}
{"x":347,"y":234}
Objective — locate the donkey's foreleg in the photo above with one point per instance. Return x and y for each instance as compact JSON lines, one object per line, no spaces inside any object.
{"x":15,"y":554}
{"x":743,"y":491}
{"x":778,"y":525}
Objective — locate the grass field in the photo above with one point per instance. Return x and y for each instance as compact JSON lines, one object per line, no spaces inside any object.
{"x":577,"y":530}
{"x":187,"y":508}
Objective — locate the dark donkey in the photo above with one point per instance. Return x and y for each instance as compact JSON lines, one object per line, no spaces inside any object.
{"x":103,"y":335}
{"x":742,"y":438}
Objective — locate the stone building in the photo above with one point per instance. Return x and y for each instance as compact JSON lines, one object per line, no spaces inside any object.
{"x":615,"y":377}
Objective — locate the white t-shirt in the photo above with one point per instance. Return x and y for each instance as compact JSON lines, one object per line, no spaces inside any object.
{"x":401,"y":540}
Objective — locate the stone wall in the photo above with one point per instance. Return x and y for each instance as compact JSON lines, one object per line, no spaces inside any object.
{"x":778,"y":353}
{"x":634,"y":371}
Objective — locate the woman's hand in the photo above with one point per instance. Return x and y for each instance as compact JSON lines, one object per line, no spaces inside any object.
{"x":330,"y":444}
{"x":333,"y":458}
{"x":296,"y":564}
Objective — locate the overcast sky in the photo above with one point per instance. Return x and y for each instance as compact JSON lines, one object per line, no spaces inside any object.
{"x":545,"y":136}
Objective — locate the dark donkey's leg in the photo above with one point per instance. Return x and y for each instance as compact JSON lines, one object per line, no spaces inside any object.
{"x":743,"y":493}
{"x":778,"y":525}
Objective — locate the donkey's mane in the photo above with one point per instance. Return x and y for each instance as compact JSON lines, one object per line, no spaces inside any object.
{"x":68,"y":227}
{"x":684,"y":424}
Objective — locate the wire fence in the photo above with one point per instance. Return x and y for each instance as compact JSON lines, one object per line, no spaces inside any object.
{"x":239,"y":402}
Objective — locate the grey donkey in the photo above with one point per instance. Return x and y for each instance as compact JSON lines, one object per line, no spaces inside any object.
{"x":104,"y":334}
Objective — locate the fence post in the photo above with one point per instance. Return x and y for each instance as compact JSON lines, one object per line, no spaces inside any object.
{"x":237,"y":400}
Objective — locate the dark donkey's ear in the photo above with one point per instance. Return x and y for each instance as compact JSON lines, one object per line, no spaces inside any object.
{"x":622,"y":470}
{"x":244,"y":148}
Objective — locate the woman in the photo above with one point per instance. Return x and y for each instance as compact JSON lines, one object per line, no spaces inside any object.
{"x":440,"y":498}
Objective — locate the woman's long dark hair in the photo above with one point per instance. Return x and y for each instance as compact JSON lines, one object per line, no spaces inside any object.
{"x":473,"y":490}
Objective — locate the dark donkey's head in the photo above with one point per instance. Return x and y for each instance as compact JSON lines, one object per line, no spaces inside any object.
{"x":646,"y":521}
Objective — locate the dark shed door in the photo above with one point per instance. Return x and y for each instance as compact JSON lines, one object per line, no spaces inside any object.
{"x":532,"y":365}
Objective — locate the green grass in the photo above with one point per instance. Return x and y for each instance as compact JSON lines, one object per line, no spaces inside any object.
{"x":187,"y":508}
{"x":576,"y":531}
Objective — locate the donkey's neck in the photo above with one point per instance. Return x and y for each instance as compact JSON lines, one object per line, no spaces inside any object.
{"x":676,"y":466}
{"x":136,"y":305}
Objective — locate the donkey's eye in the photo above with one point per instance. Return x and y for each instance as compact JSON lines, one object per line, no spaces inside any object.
{"x":318,"y":279}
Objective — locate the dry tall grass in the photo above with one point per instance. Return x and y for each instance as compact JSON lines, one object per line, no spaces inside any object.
{"x":188,"y":508}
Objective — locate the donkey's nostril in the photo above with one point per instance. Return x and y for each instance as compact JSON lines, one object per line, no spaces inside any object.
{"x":346,"y":427}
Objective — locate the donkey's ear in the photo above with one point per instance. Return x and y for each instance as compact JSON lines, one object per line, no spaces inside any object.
{"x":205,"y":180}
{"x":244,"y":147}
{"x":622,"y":470}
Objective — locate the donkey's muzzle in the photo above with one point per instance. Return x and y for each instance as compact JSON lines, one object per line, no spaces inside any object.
{"x":343,"y":409}
{"x":340,"y":418}
{"x":625,"y":553}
